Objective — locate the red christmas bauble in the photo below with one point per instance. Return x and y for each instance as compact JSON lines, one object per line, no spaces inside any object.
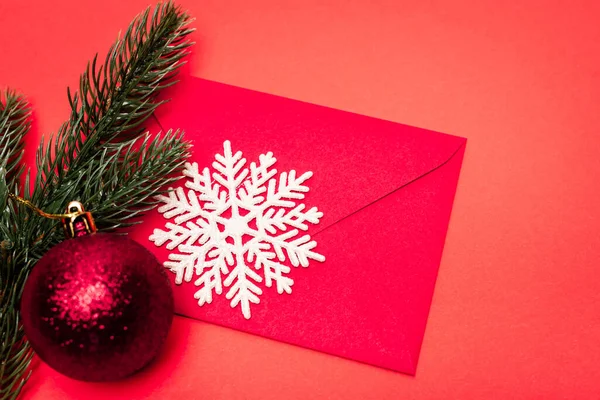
{"x":97,"y":307}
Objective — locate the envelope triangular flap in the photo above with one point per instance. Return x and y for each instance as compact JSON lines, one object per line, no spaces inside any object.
{"x":356,"y":159}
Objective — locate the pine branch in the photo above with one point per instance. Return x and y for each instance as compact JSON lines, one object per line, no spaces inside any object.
{"x":130,"y":175}
{"x":100,"y":156}
{"x":112,"y":107}
{"x":14,"y":124}
{"x":15,"y":353}
{"x":115,"y":99}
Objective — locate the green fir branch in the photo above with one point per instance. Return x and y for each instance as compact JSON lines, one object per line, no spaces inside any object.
{"x":15,"y":353}
{"x":14,"y":124}
{"x":115,"y":99}
{"x":128,"y":176}
{"x":102,"y":156}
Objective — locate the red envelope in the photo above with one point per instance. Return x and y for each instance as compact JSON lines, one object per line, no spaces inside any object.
{"x":386,"y":193}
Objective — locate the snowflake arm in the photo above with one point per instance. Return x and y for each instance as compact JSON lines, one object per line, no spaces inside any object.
{"x":244,"y":291}
{"x":211,"y":280}
{"x":178,"y":205}
{"x":259,"y":254}
{"x":250,"y":194}
{"x":229,"y":170}
{"x":274,"y":272}
{"x":213,"y":197}
{"x":281,"y":219}
{"x":186,"y":263}
{"x":298,"y":250}
{"x":290,"y":187}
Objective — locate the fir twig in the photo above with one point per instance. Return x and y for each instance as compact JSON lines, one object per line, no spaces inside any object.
{"x":15,"y":353}
{"x":114,"y":99}
{"x":101,"y":157}
{"x":126,"y":172}
{"x":14,"y":124}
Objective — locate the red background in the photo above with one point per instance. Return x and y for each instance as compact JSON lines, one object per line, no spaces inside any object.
{"x":516,"y":308}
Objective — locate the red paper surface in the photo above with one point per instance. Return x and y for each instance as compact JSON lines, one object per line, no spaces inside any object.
{"x":386,"y":192}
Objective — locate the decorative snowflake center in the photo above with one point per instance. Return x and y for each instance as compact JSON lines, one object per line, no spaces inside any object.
{"x":213,"y":234}
{"x":236,"y":226}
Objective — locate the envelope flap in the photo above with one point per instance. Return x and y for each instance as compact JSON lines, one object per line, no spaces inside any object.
{"x":355,"y":159}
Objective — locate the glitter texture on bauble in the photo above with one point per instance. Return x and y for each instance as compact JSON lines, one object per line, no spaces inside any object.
{"x":97,"y":307}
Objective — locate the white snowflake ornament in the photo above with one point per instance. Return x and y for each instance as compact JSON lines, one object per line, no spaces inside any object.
{"x":232,"y":228}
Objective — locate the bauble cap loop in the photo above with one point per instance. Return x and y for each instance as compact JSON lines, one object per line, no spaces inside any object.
{"x":79,"y":222}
